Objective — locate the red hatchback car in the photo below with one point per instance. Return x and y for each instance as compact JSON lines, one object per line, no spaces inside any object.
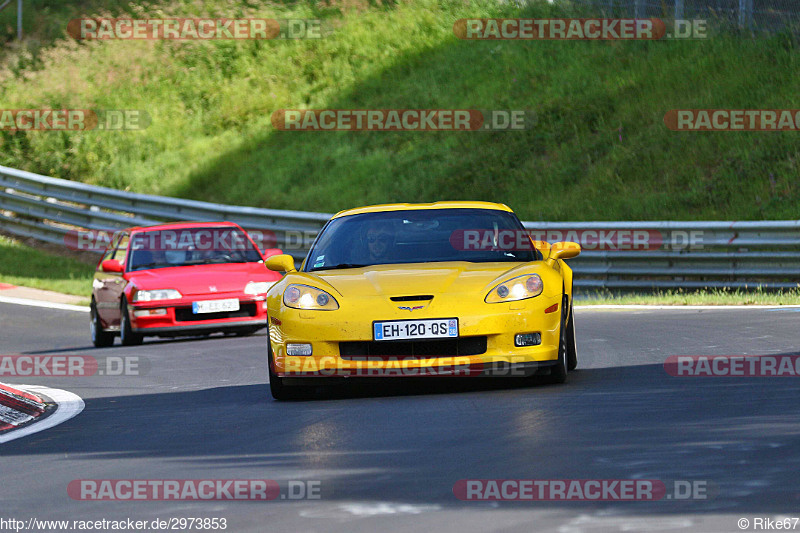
{"x":179,"y":279}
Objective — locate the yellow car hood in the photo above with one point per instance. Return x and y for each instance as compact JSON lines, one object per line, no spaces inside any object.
{"x":422,"y":278}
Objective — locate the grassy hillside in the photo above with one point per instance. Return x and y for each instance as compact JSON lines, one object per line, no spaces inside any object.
{"x":599,"y":150}
{"x":29,"y":267}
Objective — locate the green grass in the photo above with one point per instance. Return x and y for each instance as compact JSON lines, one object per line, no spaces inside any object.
{"x":28,"y":267}
{"x":599,"y":150}
{"x":686,"y":297}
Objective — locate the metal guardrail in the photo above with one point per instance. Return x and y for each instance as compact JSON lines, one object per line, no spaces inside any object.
{"x":756,"y":14}
{"x":676,"y":255}
{"x":691,"y":255}
{"x":48,"y":209}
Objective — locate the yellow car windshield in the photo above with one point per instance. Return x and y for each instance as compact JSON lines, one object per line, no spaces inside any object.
{"x":425,"y":235}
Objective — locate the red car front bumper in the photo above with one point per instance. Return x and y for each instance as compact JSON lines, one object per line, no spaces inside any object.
{"x":174,"y":317}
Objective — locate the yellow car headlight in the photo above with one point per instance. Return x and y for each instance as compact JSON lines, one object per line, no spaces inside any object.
{"x":519,"y":288}
{"x":305,"y":297}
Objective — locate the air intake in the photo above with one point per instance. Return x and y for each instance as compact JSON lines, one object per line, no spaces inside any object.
{"x":417,"y":298}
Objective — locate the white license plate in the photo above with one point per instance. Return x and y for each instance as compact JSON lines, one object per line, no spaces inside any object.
{"x":436,"y":328}
{"x":215,"y":306}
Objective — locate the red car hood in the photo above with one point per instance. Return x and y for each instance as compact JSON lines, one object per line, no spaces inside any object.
{"x":199,"y":279}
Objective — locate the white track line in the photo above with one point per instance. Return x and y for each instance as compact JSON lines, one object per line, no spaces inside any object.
{"x":686,"y":307}
{"x":69,"y":406}
{"x":82,"y":309}
{"x":42,"y":303}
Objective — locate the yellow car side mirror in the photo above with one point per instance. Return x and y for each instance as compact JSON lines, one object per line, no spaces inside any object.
{"x":542,"y":246}
{"x":564,"y":250}
{"x":280,"y":263}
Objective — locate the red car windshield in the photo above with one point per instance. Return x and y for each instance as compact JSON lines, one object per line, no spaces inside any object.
{"x":190,"y":246}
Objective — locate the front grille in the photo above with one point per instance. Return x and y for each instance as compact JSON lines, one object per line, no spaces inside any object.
{"x":419,"y":298}
{"x":414,"y":349}
{"x":184,"y":314}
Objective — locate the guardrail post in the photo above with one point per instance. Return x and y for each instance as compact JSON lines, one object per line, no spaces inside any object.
{"x":745,"y":13}
{"x":638,"y":9}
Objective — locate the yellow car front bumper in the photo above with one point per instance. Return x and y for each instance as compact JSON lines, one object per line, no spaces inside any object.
{"x":326,"y":331}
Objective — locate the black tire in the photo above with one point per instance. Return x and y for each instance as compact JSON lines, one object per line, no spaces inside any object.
{"x":126,"y":334}
{"x":100,"y":337}
{"x":572,"y":346}
{"x":558,"y":372}
{"x":246,"y":332}
{"x":277,"y":387}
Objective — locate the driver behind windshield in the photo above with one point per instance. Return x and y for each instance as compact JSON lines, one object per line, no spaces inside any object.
{"x":158,"y":250}
{"x":175,"y":257}
{"x":379,"y":237}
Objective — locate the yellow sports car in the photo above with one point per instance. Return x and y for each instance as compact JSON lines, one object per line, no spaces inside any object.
{"x":440,"y":289}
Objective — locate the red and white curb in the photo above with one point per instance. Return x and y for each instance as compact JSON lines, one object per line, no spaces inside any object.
{"x":18,"y":407}
{"x":37,"y":303}
{"x":43,"y":303}
{"x":28,"y":409}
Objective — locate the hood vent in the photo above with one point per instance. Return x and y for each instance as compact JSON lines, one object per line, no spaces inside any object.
{"x":418,"y":298}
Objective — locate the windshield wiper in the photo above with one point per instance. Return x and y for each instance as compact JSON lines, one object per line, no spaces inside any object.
{"x":219,"y":261}
{"x":149,"y":265}
{"x":340,"y":265}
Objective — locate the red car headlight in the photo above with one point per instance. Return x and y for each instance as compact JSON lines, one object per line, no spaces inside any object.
{"x":158,"y":294}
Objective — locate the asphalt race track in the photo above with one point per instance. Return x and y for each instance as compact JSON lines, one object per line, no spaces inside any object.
{"x":387,"y":460}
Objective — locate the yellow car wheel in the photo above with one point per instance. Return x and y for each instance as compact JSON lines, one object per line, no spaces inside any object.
{"x":277,"y":387}
{"x":572,"y":348}
{"x":558,"y":372}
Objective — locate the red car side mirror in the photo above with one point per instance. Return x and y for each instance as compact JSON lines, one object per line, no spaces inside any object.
{"x":111,"y":265}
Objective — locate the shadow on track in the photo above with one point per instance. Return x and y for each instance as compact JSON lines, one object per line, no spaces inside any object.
{"x":383,"y":443}
{"x":91,"y":350}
